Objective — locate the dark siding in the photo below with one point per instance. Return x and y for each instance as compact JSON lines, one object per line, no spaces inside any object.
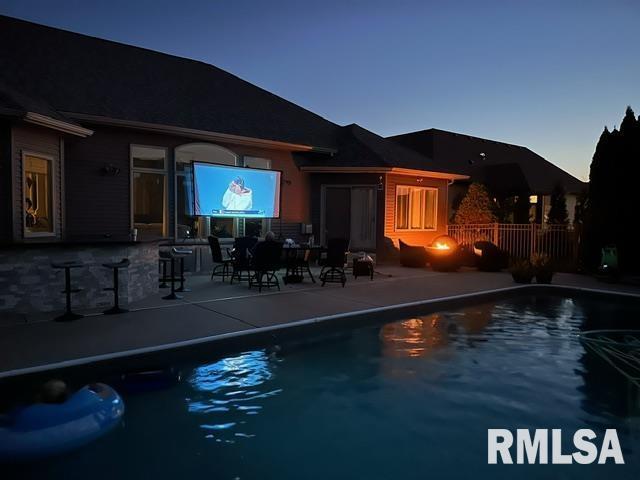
{"x":99,"y":205}
{"x":5,"y":182}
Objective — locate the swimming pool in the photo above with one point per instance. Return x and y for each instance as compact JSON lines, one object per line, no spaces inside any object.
{"x":411,"y":398}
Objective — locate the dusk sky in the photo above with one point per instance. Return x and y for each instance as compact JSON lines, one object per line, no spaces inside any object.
{"x":547,"y":75}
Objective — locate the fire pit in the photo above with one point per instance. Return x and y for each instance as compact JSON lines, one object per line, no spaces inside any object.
{"x":443,"y":254}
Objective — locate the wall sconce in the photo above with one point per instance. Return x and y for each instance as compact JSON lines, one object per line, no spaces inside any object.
{"x":110,"y":170}
{"x":419,"y":180}
{"x":380,"y":183}
{"x":533,"y":199}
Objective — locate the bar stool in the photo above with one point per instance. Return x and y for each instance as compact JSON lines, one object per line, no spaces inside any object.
{"x":68,"y":315}
{"x":116,"y":266}
{"x":165,"y":258}
{"x":177,"y":254}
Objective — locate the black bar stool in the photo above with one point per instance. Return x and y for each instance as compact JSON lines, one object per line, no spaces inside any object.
{"x":116,"y":266}
{"x":177,"y":254}
{"x":165,"y":258}
{"x":180,"y":254}
{"x":68,"y":315}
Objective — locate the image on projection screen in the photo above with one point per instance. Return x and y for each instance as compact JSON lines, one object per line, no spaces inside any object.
{"x":224,"y":191}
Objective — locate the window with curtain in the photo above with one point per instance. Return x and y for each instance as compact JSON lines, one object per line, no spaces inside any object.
{"x":38,"y":196}
{"x":149,"y":179}
{"x":416,"y":208}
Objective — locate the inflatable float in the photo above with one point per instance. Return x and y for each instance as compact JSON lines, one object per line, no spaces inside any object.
{"x":44,"y":429}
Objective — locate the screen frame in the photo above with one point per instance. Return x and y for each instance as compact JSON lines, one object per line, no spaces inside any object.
{"x":236,"y":167}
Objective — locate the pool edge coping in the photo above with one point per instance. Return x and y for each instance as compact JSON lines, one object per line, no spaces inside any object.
{"x":76,"y":362}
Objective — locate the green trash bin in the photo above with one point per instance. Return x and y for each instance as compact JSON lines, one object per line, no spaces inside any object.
{"x":609,"y":259}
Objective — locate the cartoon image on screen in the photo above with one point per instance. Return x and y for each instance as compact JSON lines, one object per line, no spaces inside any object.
{"x":225,"y":191}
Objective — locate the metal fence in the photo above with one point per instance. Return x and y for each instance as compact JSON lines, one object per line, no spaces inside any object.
{"x":560,"y":242}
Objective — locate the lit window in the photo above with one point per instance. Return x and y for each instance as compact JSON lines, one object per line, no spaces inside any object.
{"x":416,"y":208}
{"x":38,"y":199}
{"x":149,"y":191}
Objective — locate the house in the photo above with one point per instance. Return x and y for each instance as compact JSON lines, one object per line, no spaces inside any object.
{"x":506,"y":170}
{"x":97,"y":139}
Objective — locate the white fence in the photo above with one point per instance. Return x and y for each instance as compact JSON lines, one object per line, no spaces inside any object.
{"x":522,"y":240}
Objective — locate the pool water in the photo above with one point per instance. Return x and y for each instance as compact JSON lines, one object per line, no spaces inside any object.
{"x":409,"y":399}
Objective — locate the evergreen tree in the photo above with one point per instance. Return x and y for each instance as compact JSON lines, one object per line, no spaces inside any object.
{"x":558,"y":214}
{"x":475,"y":207}
{"x":611,"y":201}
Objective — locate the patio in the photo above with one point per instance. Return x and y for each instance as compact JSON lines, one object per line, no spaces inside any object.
{"x":216,"y":310}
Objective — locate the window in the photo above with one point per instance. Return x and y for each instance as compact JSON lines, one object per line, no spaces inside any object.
{"x":38,"y":195}
{"x":149,"y":184}
{"x":416,"y":208}
{"x":189,"y":225}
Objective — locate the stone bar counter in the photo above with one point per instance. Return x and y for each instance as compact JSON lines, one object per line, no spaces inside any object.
{"x":29,"y":286}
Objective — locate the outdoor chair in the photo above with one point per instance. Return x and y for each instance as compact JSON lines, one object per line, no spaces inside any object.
{"x":489,"y":257}
{"x":265,"y":263}
{"x":412,"y":256}
{"x":297,"y":263}
{"x":221,"y":266}
{"x":241,"y":258}
{"x":335,"y":262}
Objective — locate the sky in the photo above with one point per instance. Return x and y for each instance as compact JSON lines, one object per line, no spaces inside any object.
{"x":545,"y":74}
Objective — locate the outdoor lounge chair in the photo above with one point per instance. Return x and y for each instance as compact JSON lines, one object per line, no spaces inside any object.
{"x":241,"y":258}
{"x":489,"y":257}
{"x":265,"y":263}
{"x":412,"y":256}
{"x":335,"y":262}
{"x":221,"y":266}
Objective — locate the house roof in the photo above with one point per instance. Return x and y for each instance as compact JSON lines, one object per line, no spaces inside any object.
{"x":60,"y":73}
{"x":359,"y":147}
{"x":461,"y":153}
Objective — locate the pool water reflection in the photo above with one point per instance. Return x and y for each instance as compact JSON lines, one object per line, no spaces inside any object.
{"x":410,"y":399}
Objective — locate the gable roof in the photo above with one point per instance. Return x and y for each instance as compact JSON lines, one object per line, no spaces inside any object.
{"x":361,"y":148}
{"x":62,"y":73}
{"x":461,"y":152}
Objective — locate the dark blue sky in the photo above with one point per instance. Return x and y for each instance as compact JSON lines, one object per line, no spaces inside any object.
{"x":545,"y":74}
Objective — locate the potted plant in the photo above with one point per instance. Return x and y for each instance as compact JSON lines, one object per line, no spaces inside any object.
{"x":542,"y":268}
{"x":521,"y":271}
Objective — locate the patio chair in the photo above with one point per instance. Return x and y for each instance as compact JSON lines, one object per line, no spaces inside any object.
{"x":265,"y":263}
{"x":221,"y":266}
{"x":241,"y":258}
{"x":412,"y":256}
{"x":490,"y":257}
{"x":335,"y":262}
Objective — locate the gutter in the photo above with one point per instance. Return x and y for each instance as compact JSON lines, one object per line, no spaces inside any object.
{"x":54,"y":124}
{"x":196,"y":134}
{"x":399,"y":171}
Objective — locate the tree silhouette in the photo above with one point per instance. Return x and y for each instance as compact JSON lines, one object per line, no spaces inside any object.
{"x":475,"y":207}
{"x":558,"y":214}
{"x":611,"y":201}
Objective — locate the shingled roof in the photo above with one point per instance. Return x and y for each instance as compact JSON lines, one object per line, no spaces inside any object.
{"x":359,"y":147}
{"x":54,"y":70}
{"x":461,"y":153}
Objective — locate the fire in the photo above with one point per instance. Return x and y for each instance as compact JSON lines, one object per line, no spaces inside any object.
{"x":441,"y":246}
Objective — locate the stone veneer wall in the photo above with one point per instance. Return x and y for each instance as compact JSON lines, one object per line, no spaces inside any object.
{"x":28,"y":284}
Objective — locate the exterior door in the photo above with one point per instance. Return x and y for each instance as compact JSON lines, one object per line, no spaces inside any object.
{"x":363,"y":218}
{"x":350,"y":212}
{"x":337,"y":221}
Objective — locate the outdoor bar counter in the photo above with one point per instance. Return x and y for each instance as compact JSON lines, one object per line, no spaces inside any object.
{"x":29,"y":285}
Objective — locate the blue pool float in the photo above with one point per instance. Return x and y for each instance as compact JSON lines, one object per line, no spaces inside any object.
{"x":44,"y":429}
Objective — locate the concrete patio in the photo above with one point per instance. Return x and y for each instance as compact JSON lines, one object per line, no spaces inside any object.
{"x":217,"y":310}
